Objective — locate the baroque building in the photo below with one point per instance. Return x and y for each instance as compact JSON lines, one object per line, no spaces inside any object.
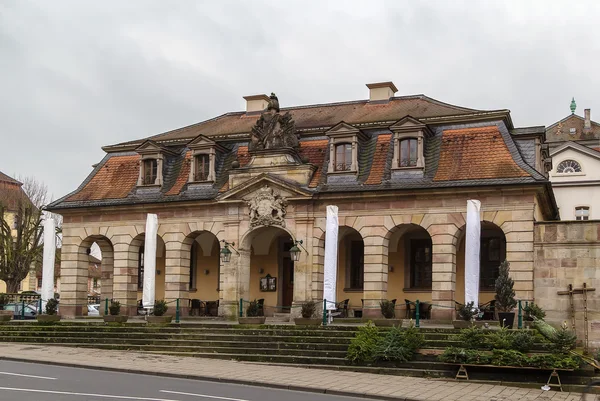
{"x":257,"y":182}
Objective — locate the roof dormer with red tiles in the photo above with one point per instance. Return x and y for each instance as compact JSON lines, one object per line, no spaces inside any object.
{"x":409,"y":142}
{"x":203,"y":160}
{"x":152,"y":163}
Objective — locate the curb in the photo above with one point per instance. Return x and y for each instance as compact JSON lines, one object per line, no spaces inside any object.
{"x":212,"y":379}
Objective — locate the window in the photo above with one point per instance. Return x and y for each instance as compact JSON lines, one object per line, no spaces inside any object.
{"x":582,"y":213}
{"x":39,"y":282}
{"x":568,"y":166}
{"x":420,"y":263}
{"x":141,"y":268}
{"x":491,"y":254}
{"x":193,"y":262}
{"x":95,"y":283}
{"x":150,"y":171}
{"x":201,"y":167}
{"x":343,"y":157}
{"x":408,"y":153}
{"x":357,"y":265}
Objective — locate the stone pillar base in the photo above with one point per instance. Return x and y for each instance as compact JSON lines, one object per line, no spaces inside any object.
{"x":229,"y":309}
{"x":372,"y":313}
{"x":72,"y":311}
{"x":442,"y":313}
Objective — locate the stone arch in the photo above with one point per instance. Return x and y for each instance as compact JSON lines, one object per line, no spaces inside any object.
{"x":493,"y":240}
{"x":200,"y":267}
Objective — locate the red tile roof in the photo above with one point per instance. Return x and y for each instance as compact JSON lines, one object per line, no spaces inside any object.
{"x":475,"y":153}
{"x":7,"y":179}
{"x":114,"y":180}
{"x":184,"y":175}
{"x":379,"y":159}
{"x":243,"y":156}
{"x":315,"y":152}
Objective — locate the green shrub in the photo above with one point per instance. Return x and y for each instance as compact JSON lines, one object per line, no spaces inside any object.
{"x":308,"y":309}
{"x":533,"y":311}
{"x":114,"y":308}
{"x":468,"y":311}
{"x":564,"y":339}
{"x":462,"y":355}
{"x":505,"y":294}
{"x":473,"y":337}
{"x":51,"y":307}
{"x":363,"y":346}
{"x":387,"y":309}
{"x":522,"y":340}
{"x":253,"y":309}
{"x":4,"y":299}
{"x":500,"y":339}
{"x":160,"y":307}
{"x":509,"y":357}
{"x":393,"y":347}
{"x":554,"y":361}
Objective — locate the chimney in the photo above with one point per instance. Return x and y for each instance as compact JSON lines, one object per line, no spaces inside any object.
{"x":587,"y":124}
{"x":256,"y":103}
{"x":381,"y":91}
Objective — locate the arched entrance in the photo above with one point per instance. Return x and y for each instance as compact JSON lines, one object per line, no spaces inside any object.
{"x":137,"y":253}
{"x":200,"y":252}
{"x":271,"y":269}
{"x":409,"y":264}
{"x":492,"y":252}
{"x":351,"y":267}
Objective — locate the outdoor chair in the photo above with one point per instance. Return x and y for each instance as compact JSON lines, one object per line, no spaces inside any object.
{"x":197,"y":306}
{"x":261,"y":307}
{"x":342,"y":308}
{"x":410,"y":310}
{"x":425,"y":310}
{"x":488,"y":310}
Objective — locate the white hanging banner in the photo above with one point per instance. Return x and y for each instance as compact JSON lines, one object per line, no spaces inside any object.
{"x":49,"y":260}
{"x":331,"y":255}
{"x":148,"y":293}
{"x":472,"y":246}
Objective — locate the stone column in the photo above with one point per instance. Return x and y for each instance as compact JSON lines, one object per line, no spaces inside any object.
{"x":74,"y":274}
{"x":177,"y":266}
{"x":519,"y":251}
{"x":443,"y":269}
{"x":126,"y":245}
{"x":375,"y":240}
{"x":303,"y":267}
{"x":235,"y":275}
{"x":318,"y":262}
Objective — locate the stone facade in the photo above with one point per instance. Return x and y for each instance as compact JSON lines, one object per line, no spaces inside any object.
{"x":568,"y":253}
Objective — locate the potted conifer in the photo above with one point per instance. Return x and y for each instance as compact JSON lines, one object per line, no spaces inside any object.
{"x":505,"y":296}
{"x":388,"y":310}
{"x":466,"y":315}
{"x":308,"y":315}
{"x":51,"y":312}
{"x":252,"y":314}
{"x":160,"y":308}
{"x":114,"y":317}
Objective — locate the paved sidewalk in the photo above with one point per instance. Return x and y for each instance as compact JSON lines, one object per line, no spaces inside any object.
{"x":316,"y":380}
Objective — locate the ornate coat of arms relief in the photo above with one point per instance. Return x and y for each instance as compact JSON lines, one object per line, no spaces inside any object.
{"x":267,"y":208}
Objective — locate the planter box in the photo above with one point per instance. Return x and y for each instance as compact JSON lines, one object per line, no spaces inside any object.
{"x":252,"y":320}
{"x":6,"y":315}
{"x":461,"y":324}
{"x":387,"y":322}
{"x":115,"y":318}
{"x":48,"y":318}
{"x":303,"y":321}
{"x":159,"y":319}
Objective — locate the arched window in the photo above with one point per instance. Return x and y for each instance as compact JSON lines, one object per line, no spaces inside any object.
{"x":343,"y":157}
{"x":568,"y":166}
{"x":408,"y":153}
{"x":492,"y":252}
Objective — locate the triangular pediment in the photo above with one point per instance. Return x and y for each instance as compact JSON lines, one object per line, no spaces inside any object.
{"x":204,"y":142}
{"x":149,"y":146}
{"x":407,"y":123}
{"x":576,"y":147}
{"x":245,"y":191}
{"x":342,"y":128}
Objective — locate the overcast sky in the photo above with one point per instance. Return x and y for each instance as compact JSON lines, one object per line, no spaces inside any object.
{"x":78,"y":75}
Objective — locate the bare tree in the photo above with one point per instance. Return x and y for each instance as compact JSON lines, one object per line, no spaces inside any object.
{"x":21,"y":230}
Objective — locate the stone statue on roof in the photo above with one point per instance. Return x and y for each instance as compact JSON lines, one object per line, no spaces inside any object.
{"x":273,"y":131}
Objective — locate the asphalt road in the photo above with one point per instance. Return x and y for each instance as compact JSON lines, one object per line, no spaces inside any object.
{"x":21,"y":381}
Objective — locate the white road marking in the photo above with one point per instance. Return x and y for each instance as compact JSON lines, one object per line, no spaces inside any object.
{"x":33,"y":377}
{"x":120,"y":397}
{"x":203,"y":395}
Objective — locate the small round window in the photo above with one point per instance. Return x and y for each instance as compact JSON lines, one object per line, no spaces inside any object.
{"x":568,"y":166}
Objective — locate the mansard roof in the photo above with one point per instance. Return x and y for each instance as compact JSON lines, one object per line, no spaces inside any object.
{"x":464,"y":148}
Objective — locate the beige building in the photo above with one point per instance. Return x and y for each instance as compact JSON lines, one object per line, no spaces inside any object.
{"x":400,"y":169}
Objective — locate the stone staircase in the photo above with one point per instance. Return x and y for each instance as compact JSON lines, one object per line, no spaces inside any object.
{"x":323,"y":347}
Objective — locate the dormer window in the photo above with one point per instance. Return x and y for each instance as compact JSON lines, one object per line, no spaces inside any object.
{"x":344,"y":143}
{"x":201,"y":167}
{"x":343,"y":157}
{"x":149,"y":171}
{"x":409,"y":136}
{"x":203,"y":159}
{"x":408,"y":153}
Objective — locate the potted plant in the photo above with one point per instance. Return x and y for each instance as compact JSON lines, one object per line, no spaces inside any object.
{"x":466,"y":316}
{"x":51,"y":312}
{"x":505,"y":296}
{"x":160,"y":308}
{"x":114,"y":313}
{"x":388,"y":310}
{"x":252,"y":312}
{"x":5,"y":315}
{"x":308,"y":312}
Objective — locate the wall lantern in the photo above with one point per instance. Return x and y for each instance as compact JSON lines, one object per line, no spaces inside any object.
{"x":295,"y":251}
{"x":226,"y":252}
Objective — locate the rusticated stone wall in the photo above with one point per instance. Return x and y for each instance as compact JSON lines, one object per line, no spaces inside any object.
{"x":568,"y":253}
